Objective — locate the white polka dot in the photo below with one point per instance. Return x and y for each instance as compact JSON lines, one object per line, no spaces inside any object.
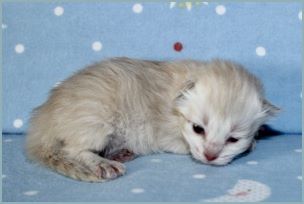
{"x":4,"y":26}
{"x":199,"y":176}
{"x":30,"y":193}
{"x":58,"y":11}
{"x":3,"y":176}
{"x":19,"y":48}
{"x":300,"y":15}
{"x":252,"y":162}
{"x":298,"y":150}
{"x":260,"y":51}
{"x":96,"y":46}
{"x":299,"y":177}
{"x":156,"y":160}
{"x":18,"y":123}
{"x":8,"y":140}
{"x":220,"y":9}
{"x":137,"y":190}
{"x":137,"y":8}
{"x":205,"y":2}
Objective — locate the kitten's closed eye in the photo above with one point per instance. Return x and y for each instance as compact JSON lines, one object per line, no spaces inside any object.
{"x":232,"y":140}
{"x":198,"y":129}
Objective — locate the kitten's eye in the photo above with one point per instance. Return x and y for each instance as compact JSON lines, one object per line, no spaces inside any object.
{"x":232,"y":140}
{"x":198,"y":129}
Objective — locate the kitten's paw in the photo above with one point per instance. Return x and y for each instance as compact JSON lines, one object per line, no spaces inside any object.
{"x":110,"y":170}
{"x":122,"y":155}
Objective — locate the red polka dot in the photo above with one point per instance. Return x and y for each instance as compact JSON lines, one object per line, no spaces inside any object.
{"x":178,"y":46}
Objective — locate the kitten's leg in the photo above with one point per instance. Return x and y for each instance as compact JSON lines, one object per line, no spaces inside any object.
{"x":104,"y":169}
{"x":78,"y":161}
{"x":122,"y":155}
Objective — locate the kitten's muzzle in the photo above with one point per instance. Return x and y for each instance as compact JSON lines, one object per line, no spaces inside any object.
{"x":210,"y":156}
{"x":212,"y":150}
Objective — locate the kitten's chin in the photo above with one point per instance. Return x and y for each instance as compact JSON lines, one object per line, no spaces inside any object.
{"x":216,"y":162}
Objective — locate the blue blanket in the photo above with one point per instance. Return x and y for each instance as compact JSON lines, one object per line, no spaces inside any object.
{"x":270,"y":173}
{"x":43,"y":43}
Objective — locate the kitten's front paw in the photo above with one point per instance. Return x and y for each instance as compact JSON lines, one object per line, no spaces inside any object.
{"x":110,"y":170}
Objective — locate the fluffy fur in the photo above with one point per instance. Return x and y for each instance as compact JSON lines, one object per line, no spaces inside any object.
{"x":146,"y":107}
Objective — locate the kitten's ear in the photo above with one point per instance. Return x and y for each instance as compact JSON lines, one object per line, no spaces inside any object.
{"x":187,"y":86}
{"x":270,"y":109}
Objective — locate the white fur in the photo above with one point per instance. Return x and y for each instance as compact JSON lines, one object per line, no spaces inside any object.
{"x":227,"y":101}
{"x":147,"y":107}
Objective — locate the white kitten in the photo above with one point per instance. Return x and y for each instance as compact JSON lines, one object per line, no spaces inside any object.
{"x":109,"y":112}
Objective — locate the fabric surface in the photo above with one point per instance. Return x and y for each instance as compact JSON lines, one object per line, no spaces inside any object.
{"x":43,"y":43}
{"x":272,"y":172}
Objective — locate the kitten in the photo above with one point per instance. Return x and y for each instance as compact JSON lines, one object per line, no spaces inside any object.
{"x":109,"y":112}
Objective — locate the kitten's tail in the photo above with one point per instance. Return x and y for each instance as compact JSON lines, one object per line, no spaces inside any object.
{"x":58,"y":161}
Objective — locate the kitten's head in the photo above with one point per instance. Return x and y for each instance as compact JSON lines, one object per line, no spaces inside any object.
{"x":223,"y":107}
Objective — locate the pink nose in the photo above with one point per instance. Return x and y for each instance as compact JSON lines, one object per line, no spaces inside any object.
{"x":210,"y":157}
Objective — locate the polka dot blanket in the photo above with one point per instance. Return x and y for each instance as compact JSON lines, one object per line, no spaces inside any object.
{"x":43,"y":43}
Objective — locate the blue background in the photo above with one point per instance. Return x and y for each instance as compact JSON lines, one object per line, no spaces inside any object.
{"x":57,"y":46}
